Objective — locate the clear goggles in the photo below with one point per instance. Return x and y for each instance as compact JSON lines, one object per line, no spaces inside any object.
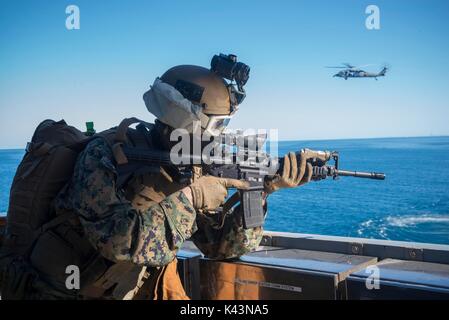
{"x":217,"y":124}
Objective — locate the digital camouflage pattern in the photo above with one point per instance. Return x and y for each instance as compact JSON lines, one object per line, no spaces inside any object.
{"x":229,"y":241}
{"x":150,"y":236}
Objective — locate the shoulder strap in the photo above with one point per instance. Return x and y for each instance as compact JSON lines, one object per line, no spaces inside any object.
{"x":120,"y":138}
{"x":122,"y":128}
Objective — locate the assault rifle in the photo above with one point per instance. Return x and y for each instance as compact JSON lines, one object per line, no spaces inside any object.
{"x":248,"y":163}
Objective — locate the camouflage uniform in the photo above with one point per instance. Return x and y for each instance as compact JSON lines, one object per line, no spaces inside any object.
{"x":122,"y":230}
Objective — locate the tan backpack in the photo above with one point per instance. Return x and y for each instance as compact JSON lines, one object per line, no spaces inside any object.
{"x":46,"y":167}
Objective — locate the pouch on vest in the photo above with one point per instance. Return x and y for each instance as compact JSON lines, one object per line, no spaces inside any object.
{"x":54,"y":251}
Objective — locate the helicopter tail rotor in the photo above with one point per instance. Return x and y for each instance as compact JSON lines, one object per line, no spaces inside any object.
{"x":384,"y":70}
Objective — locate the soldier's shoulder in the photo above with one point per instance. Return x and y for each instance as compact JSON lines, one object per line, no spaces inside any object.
{"x":98,"y":148}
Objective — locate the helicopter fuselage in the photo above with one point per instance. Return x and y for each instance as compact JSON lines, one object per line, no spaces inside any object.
{"x":356,"y":73}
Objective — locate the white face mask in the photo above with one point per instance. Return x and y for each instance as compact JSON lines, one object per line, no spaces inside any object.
{"x":169,"y":106}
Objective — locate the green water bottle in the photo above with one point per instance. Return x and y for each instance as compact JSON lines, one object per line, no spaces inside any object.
{"x":90,"y":131}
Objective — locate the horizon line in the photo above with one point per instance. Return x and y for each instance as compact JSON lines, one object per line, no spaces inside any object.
{"x":370,"y":138}
{"x":331,"y":139}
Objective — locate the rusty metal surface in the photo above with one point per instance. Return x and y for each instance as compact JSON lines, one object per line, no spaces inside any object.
{"x":238,"y":281}
{"x":299,"y":266}
{"x":276,"y":273}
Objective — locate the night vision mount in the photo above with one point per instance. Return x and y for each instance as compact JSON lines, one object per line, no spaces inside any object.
{"x":226,"y":66}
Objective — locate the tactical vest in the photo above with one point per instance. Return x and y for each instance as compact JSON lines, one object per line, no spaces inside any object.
{"x":40,"y":243}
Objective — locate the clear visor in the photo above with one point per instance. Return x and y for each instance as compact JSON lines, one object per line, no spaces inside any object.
{"x":217,"y":124}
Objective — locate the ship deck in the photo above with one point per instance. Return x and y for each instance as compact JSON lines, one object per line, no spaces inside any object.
{"x":307,"y":266}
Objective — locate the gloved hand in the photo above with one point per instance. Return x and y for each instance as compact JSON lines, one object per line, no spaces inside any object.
{"x":209,"y":192}
{"x":292,"y":174}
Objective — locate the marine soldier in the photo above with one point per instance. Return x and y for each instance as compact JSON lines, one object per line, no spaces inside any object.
{"x":123,"y":231}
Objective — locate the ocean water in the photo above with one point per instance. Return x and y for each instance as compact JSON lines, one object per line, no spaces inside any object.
{"x":412,"y":204}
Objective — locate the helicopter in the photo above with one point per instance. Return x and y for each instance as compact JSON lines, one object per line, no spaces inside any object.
{"x":355,"y":72}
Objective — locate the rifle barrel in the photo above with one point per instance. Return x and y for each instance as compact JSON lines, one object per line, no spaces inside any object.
{"x":360,"y":174}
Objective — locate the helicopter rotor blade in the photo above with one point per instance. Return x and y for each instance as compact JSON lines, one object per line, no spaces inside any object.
{"x":362,"y":66}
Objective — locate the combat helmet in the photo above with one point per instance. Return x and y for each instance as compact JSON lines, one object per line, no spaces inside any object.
{"x":186,"y":93}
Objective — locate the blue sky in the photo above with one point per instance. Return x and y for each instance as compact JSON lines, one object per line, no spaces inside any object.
{"x":99,"y":73}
